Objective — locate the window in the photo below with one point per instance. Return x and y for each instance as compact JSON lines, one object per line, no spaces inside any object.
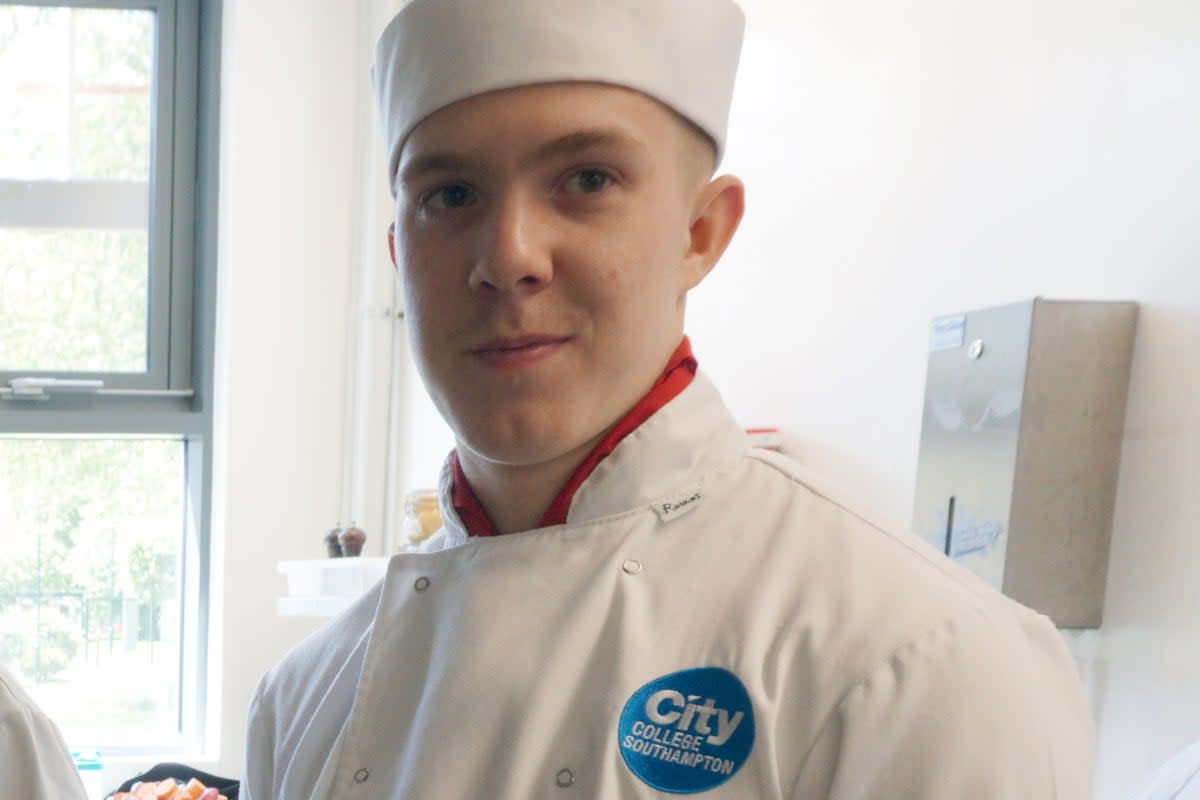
{"x":91,"y":529}
{"x":107,"y":260}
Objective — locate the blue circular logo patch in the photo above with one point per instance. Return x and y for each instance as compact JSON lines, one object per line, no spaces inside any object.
{"x":687,"y":732}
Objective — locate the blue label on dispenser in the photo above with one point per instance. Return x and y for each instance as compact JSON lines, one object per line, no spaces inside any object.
{"x":947,"y":333}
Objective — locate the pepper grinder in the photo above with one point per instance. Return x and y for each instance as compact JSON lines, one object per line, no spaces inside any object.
{"x":352,"y":540}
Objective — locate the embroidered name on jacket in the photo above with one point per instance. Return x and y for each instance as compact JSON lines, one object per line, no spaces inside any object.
{"x":670,"y":508}
{"x":689,"y":731}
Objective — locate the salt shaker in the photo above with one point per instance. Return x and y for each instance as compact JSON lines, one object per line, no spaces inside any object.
{"x":332,"y":541}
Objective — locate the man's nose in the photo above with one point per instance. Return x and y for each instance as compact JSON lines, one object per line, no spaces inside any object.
{"x":515,"y":255}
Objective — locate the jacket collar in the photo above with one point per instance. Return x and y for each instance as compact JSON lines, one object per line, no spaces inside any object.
{"x":669,"y":456}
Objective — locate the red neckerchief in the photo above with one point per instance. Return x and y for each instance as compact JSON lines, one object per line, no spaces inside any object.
{"x":679,"y":373}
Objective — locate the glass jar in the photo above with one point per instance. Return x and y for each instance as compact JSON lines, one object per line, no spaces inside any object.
{"x":421,"y":518}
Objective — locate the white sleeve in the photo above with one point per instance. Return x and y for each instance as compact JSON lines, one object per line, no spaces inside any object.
{"x":971,"y":709}
{"x":258,"y":774}
{"x":34,"y":760}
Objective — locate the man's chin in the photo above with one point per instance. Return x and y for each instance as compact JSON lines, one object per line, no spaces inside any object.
{"x":529,"y":448}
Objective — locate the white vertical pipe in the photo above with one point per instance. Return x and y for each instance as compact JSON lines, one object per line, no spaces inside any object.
{"x":357,"y":343}
{"x":392,"y":476}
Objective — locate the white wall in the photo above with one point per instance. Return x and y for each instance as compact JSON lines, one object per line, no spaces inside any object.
{"x":905,"y":160}
{"x":288,"y":239}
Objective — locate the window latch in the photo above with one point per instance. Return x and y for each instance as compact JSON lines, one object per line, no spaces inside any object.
{"x":42,"y":388}
{"x":45,"y":388}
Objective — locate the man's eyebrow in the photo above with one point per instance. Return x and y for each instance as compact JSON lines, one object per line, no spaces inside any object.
{"x":579,"y":141}
{"x":563,"y":146}
{"x":433,"y":162}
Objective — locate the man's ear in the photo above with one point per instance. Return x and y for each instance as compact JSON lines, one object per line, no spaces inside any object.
{"x":715,"y":217}
{"x":391,"y":237}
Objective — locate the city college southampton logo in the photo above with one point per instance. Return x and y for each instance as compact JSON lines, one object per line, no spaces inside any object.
{"x":687,"y":732}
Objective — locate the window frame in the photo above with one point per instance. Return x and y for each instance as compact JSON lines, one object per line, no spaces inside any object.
{"x":174,"y":397}
{"x":171,"y":187}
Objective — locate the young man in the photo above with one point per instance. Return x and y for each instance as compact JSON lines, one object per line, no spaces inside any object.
{"x":626,"y":599}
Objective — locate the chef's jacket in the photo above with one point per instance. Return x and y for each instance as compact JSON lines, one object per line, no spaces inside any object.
{"x":34,"y":760}
{"x":709,"y":621}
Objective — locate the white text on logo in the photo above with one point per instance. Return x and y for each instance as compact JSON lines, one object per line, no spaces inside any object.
{"x":667,"y":707}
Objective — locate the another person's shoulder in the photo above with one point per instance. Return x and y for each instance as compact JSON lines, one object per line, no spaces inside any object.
{"x":18,"y":709}
{"x":13,"y":698}
{"x":34,"y":758}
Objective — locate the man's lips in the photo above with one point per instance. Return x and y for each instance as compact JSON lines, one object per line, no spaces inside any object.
{"x":517,"y":343}
{"x":515,"y":352}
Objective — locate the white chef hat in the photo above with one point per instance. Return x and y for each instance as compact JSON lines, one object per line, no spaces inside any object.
{"x":683,"y":53}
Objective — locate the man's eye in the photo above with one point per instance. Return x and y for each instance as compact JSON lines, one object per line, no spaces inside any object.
{"x":454,"y":196}
{"x":589,"y":181}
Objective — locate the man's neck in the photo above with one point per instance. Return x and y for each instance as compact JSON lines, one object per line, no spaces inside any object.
{"x":517,"y":496}
{"x":494,"y":498}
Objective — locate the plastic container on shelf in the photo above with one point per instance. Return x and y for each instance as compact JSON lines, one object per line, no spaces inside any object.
{"x":326,"y":586}
{"x":326,"y":577}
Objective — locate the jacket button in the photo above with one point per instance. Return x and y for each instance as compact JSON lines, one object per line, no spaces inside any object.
{"x":564,"y":778}
{"x":421,"y":584}
{"x":632,"y":567}
{"x":362,"y":775}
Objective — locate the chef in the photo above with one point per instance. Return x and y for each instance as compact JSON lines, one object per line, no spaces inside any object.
{"x":34,"y":759}
{"x":626,"y":599}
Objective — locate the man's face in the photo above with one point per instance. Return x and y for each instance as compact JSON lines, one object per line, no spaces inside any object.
{"x":541,"y":234}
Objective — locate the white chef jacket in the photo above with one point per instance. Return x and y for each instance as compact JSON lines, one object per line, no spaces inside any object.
{"x":34,"y":760}
{"x":699,"y":586}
